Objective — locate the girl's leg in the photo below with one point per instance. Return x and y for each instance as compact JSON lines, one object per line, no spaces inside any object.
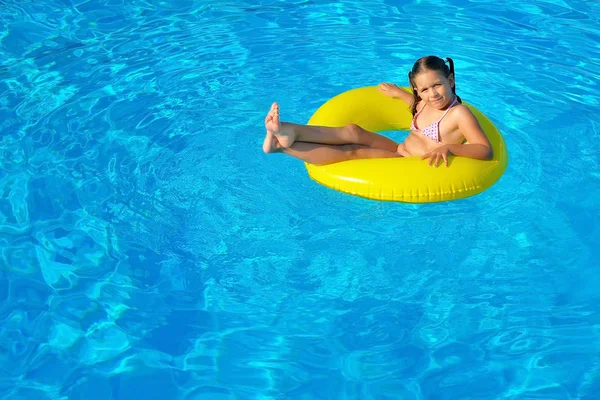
{"x":288,"y":133}
{"x":323,"y":154}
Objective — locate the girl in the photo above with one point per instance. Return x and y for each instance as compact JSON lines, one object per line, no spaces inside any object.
{"x":439,"y":127}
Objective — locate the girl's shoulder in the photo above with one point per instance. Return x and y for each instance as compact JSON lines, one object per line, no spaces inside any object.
{"x":420,"y":105}
{"x":460,"y":110}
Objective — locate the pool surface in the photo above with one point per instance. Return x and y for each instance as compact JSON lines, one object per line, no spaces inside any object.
{"x":150,"y":249}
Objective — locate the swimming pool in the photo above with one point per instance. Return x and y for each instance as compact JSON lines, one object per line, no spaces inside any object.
{"x":149,"y":248}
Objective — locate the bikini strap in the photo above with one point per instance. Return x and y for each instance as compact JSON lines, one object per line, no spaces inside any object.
{"x":448,"y":109}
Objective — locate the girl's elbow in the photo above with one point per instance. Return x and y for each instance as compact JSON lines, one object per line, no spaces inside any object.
{"x":489,"y":153}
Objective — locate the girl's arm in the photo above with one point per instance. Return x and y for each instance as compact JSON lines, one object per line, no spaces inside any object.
{"x":391,"y":90}
{"x":478,"y":147}
{"x":471,"y":150}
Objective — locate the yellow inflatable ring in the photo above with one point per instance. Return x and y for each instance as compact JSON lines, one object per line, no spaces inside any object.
{"x":407,"y":179}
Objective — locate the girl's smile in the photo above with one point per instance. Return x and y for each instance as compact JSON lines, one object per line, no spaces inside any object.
{"x":434,"y":88}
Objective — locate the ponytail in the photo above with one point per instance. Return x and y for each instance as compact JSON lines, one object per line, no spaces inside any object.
{"x":451,"y":72}
{"x":416,"y":98}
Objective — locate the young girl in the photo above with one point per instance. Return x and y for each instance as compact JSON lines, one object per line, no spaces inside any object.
{"x":439,"y":127}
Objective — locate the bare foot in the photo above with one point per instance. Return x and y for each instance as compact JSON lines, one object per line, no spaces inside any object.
{"x":271,"y":144}
{"x":273,"y":125}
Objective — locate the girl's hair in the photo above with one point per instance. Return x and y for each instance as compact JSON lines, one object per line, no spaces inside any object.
{"x":430,"y":63}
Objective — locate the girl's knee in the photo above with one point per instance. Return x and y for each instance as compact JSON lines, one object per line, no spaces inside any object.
{"x":354,"y":131}
{"x":353,"y":128}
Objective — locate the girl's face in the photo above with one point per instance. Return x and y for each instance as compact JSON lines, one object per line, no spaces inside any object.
{"x":434,"y":88}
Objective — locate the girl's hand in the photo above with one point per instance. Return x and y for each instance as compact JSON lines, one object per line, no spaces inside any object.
{"x":389,"y":89}
{"x":437,"y":155}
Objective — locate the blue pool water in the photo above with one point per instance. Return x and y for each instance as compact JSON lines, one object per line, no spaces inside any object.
{"x":149,"y":249}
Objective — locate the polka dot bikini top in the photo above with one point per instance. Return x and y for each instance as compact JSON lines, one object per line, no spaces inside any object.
{"x":432,"y":131}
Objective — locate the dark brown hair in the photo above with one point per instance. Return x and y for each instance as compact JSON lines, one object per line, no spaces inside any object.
{"x":430,"y":63}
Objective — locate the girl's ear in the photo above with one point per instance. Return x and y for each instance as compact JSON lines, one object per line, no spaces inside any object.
{"x":451,"y":79}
